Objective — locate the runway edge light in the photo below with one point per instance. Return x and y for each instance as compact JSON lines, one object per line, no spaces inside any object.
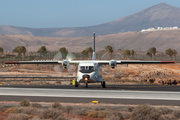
{"x":95,"y":101}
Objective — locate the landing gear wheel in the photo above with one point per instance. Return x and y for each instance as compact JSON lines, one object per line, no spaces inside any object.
{"x":76,"y":84}
{"x":86,"y":84}
{"x":103,"y":84}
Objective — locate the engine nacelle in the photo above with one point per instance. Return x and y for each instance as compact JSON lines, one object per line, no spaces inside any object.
{"x":65,"y":64}
{"x":112,"y":64}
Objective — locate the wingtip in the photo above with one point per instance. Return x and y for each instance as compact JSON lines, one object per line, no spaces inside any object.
{"x":11,"y":62}
{"x":166,"y":62}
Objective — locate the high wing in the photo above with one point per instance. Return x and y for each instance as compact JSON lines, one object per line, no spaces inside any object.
{"x":95,"y":61}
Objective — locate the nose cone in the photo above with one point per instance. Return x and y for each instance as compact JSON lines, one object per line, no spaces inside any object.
{"x":86,"y":77}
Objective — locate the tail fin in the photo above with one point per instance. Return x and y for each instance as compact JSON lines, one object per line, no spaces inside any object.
{"x":94,"y":52}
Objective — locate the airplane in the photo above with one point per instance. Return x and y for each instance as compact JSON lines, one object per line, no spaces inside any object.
{"x":89,"y":71}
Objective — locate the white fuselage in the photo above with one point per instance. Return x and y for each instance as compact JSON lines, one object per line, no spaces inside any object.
{"x":90,"y":72}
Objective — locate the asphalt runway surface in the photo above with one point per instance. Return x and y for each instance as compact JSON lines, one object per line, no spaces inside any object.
{"x":123,"y":94}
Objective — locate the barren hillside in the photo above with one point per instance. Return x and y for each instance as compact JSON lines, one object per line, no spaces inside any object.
{"x":162,"y":40}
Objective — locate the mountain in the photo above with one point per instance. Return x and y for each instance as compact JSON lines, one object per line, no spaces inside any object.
{"x":162,"y":40}
{"x":160,"y":15}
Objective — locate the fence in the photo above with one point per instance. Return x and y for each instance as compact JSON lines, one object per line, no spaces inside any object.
{"x":101,"y":56}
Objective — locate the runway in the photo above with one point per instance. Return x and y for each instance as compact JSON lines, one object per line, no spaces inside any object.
{"x":67,"y":93}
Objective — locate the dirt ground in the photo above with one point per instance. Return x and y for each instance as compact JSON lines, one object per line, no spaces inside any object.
{"x":123,"y":74}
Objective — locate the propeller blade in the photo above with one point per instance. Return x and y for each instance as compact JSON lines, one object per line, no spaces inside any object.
{"x":58,"y":56}
{"x":106,"y":56}
{"x":58,"y":69}
{"x":118,"y":56}
{"x":70,"y":56}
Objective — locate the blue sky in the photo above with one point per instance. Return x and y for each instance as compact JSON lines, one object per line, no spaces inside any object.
{"x":70,"y":13}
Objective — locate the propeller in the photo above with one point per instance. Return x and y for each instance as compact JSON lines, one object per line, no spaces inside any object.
{"x":58,"y":69}
{"x":70,"y":56}
{"x":107,"y":69}
{"x":58,"y":56}
{"x":70,"y":69}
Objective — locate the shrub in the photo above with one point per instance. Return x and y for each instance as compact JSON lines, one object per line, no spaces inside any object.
{"x":25,"y":110}
{"x":18,"y":117}
{"x":81,"y":111}
{"x":115,"y":116}
{"x":126,"y":115}
{"x":166,"y":117}
{"x":103,"y":114}
{"x":2,"y":109}
{"x":109,"y":109}
{"x":164,"y":110}
{"x":176,"y":113}
{"x":36,"y":105}
{"x":93,"y":114}
{"x":35,"y":118}
{"x":130,"y":109}
{"x":25,"y":103}
{"x":56,"y":105}
{"x":145,"y":112}
{"x":63,"y":118}
{"x":51,"y":114}
{"x":10,"y":110}
{"x":67,"y":109}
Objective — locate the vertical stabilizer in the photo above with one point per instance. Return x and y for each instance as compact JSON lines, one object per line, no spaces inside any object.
{"x":94,"y":51}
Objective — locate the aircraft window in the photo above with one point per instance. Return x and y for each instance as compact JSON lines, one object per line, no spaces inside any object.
{"x":82,"y":68}
{"x":91,"y":68}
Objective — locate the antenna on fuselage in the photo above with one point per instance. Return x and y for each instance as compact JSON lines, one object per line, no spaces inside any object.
{"x":94,"y":51}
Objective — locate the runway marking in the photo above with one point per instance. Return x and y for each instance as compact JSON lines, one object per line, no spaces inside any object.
{"x":82,"y":93}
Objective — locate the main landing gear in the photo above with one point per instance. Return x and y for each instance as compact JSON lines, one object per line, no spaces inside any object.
{"x":76,"y":84}
{"x":103,"y":84}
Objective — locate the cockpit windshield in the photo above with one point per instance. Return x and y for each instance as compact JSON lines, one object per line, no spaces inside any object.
{"x":82,"y":68}
{"x":86,"y":69}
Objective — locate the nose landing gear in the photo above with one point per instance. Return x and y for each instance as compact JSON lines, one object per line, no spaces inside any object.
{"x":86,"y":84}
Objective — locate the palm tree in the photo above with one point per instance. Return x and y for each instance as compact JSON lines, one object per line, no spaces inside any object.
{"x":169,"y":52}
{"x":127,"y":52}
{"x":175,"y":53}
{"x":20,"y":49}
{"x":64,"y":52}
{"x":132,"y":53}
{"x":90,"y":51}
{"x":110,"y":50}
{"x":85,"y":53}
{"x":153,"y":51}
{"x":43,"y":50}
{"x":149,"y":54}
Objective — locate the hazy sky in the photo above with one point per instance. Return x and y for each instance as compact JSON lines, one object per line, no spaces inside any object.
{"x":70,"y":13}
